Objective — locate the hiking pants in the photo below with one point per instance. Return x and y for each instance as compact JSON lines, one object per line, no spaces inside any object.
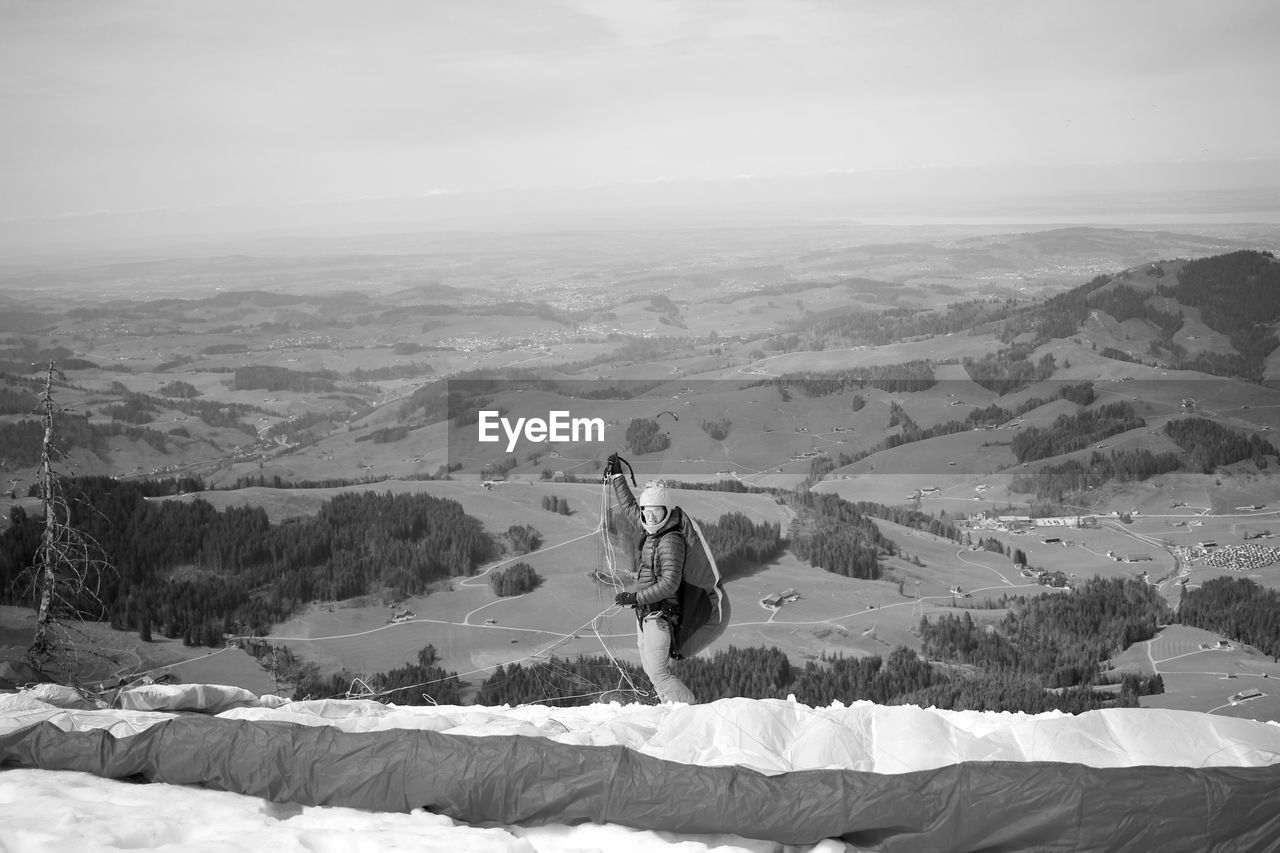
{"x":655,"y":658}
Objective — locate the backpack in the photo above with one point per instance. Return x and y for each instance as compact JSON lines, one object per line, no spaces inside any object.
{"x":704,"y":604}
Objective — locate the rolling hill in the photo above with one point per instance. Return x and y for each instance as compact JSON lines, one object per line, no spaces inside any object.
{"x":758,"y":377}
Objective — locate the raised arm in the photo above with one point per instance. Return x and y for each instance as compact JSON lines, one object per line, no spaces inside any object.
{"x":626,"y":499}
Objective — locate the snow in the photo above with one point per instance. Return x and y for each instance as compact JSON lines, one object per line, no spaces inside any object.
{"x":48,"y":811}
{"x":63,"y":812}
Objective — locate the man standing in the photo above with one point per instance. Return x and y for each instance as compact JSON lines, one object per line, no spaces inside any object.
{"x":657,"y":580}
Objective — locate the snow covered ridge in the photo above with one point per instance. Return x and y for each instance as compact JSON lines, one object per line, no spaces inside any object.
{"x":891,"y":778}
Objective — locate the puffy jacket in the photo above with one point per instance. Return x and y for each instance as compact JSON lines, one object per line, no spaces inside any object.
{"x":661,"y":557}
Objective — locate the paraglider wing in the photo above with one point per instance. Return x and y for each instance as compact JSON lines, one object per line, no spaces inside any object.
{"x":527,"y":780}
{"x":704,"y":604}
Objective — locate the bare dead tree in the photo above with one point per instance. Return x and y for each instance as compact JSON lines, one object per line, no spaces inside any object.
{"x":69,"y":565}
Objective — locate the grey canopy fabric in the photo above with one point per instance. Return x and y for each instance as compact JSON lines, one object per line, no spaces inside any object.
{"x":532,"y":781}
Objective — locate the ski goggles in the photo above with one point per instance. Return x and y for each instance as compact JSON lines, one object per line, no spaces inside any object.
{"x":653,"y":514}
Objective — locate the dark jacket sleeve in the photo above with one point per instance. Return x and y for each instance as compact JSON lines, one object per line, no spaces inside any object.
{"x":668,"y":569}
{"x":626,"y":500}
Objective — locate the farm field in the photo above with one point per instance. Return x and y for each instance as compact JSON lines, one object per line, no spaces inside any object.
{"x":515,"y":502}
{"x":568,"y":615}
{"x":947,"y":564}
{"x":453,"y":618}
{"x":1199,"y":676}
{"x":956,"y":493}
{"x":563,"y":615}
{"x":832,"y":613}
{"x":974,"y":452}
{"x":1082,"y":552}
{"x":936,"y":349}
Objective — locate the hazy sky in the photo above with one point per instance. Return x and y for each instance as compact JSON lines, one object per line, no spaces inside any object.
{"x":188,"y":105}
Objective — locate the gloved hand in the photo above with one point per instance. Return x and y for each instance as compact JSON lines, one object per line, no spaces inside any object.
{"x":625,"y":599}
{"x":612,"y":466}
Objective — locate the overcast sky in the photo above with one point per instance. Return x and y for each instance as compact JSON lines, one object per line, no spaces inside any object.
{"x":188,"y":105}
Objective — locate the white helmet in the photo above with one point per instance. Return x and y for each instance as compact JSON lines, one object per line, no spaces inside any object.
{"x":655,"y":496}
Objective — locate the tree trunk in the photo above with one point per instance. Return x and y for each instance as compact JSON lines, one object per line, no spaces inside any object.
{"x":46,"y":559}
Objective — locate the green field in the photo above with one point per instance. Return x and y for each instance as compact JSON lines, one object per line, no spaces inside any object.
{"x":570,"y":615}
{"x":1198,"y":676}
{"x":709,"y":317}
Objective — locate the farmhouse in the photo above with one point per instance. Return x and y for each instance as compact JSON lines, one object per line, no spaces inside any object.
{"x":1055,"y":579}
{"x":773,"y":601}
{"x":1059,"y":521}
{"x":1250,"y":693}
{"x":1138,"y":558}
{"x":987,"y":520}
